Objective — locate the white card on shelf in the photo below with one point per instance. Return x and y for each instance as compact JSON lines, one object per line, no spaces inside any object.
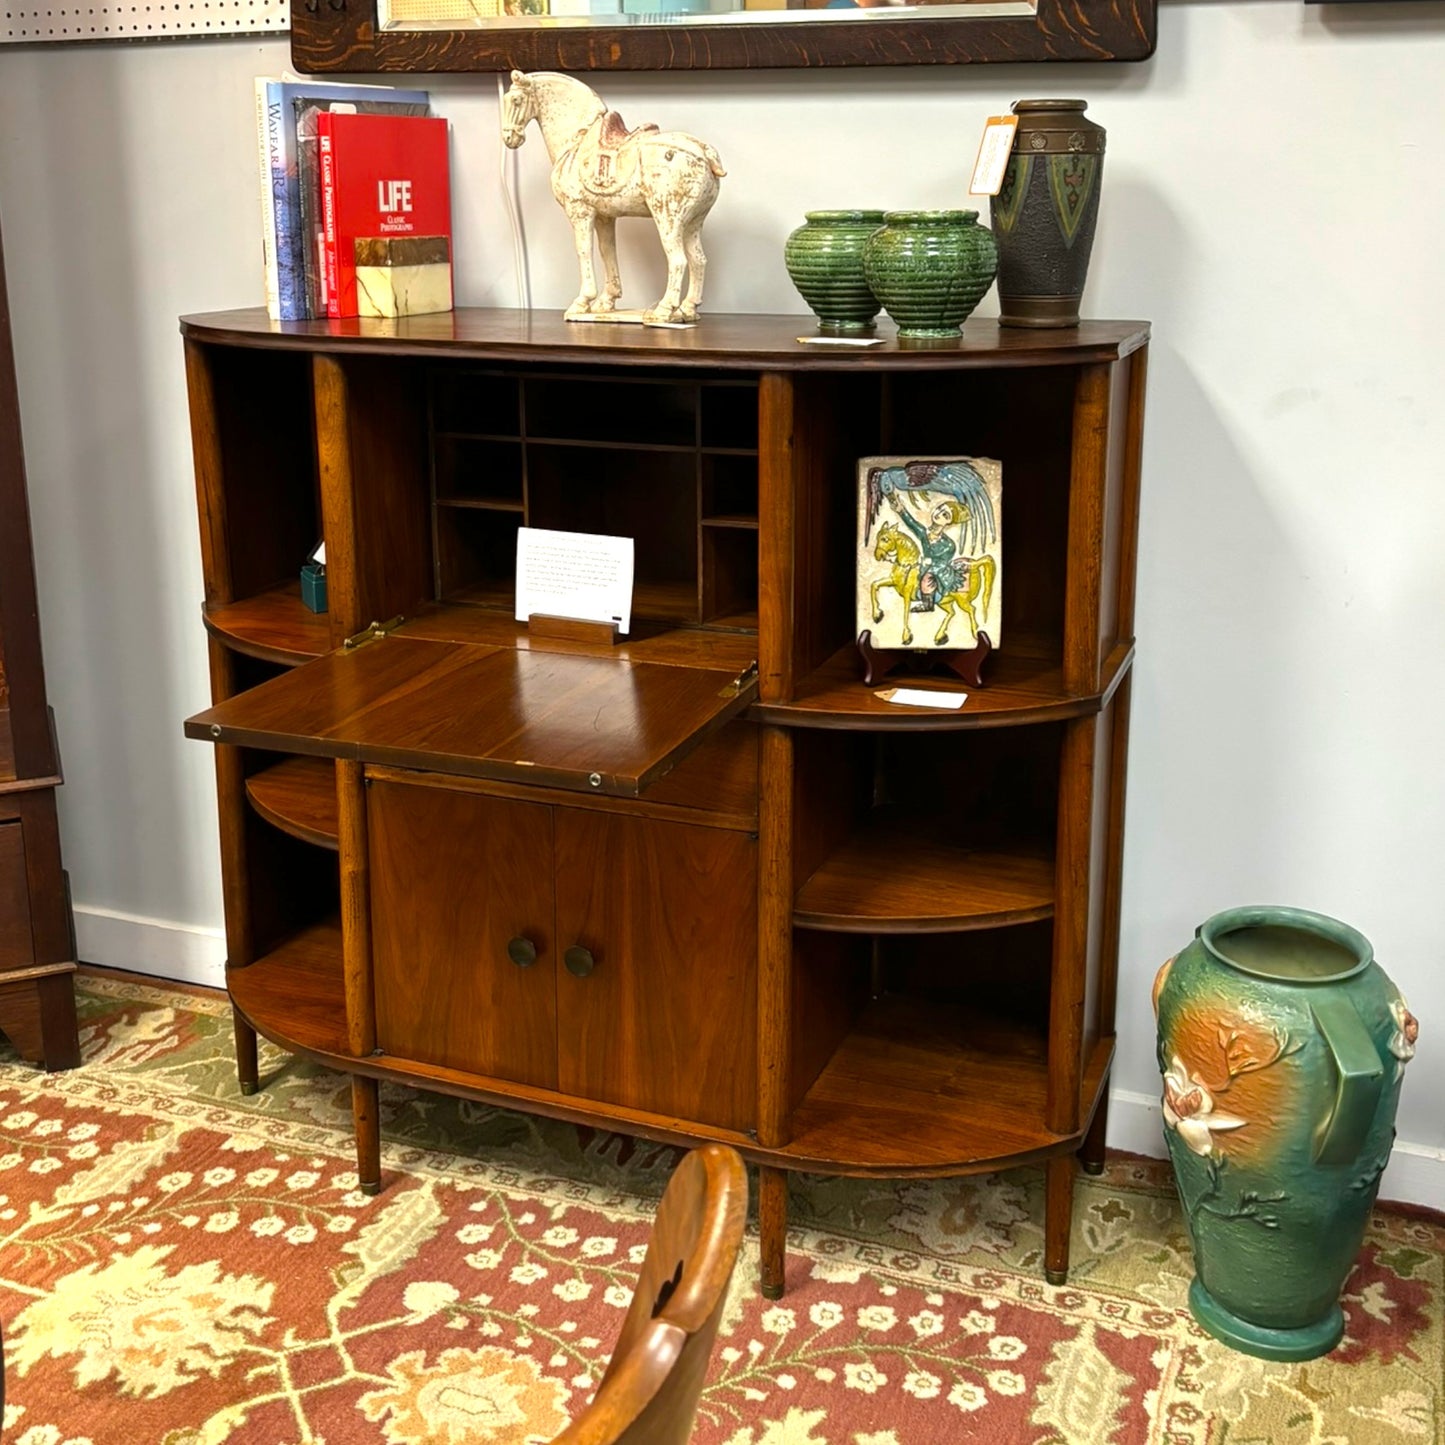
{"x":840,"y":341}
{"x":923,"y":697}
{"x":584,"y":575}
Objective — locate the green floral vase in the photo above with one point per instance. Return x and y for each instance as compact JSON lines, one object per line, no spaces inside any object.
{"x":1282,"y":1045}
{"x":930,"y":269}
{"x":824,"y":257}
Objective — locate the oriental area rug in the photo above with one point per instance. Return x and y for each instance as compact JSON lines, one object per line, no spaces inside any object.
{"x":180,"y":1265}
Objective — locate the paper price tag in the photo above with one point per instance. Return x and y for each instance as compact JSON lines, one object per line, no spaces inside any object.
{"x":993,"y":153}
{"x":923,"y":697}
{"x":840,"y":341}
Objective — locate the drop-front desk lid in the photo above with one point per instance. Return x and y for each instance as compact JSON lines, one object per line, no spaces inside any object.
{"x":595,"y":724}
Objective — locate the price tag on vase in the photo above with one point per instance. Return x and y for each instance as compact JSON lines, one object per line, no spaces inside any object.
{"x":993,"y":153}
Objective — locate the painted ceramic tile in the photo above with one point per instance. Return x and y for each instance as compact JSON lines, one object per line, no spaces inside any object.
{"x":930,"y":551}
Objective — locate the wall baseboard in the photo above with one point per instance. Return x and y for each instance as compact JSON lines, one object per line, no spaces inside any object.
{"x":176,"y":951}
{"x":186,"y":954}
{"x":1416,"y":1172}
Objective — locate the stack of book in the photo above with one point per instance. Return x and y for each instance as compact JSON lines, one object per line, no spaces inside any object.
{"x":355,"y":201}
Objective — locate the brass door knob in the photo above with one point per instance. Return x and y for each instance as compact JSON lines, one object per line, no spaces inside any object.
{"x":579,"y":961}
{"x":522,"y":952}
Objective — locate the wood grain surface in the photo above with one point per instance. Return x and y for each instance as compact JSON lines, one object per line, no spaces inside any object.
{"x":347,"y":39}
{"x":666,"y":1019}
{"x":298,"y":795}
{"x":564,"y":721}
{"x":458,"y":878}
{"x":734,"y":342}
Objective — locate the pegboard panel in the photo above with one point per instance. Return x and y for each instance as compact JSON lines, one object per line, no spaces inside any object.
{"x":36,"y":22}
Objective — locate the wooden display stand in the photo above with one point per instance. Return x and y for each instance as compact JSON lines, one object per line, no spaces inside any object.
{"x":967,"y":663}
{"x":699,"y":883}
{"x":37,"y":940}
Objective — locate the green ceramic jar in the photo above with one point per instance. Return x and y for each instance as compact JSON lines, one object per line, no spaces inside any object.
{"x":824,"y":257}
{"x":930,"y":269}
{"x":1282,"y":1045}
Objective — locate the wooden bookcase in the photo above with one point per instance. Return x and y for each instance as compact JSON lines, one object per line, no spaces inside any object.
{"x":37,"y":939}
{"x":701,"y":884}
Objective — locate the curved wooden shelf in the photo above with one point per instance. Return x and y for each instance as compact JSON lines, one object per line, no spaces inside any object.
{"x":274,"y":626}
{"x":944,"y":888}
{"x":298,"y":795}
{"x":294,"y":995}
{"x":919,"y":1089}
{"x":1021,"y":688}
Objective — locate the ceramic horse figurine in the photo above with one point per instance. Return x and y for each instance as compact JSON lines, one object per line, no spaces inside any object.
{"x":601,"y":170}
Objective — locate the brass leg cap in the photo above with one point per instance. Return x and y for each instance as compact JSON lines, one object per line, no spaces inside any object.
{"x":1091,"y":1168}
{"x":772,"y":1291}
{"x":249,"y":1089}
{"x":372,"y":1188}
{"x":1057,"y":1276}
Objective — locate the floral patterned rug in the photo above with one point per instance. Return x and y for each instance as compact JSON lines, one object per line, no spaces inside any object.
{"x":180,"y":1265}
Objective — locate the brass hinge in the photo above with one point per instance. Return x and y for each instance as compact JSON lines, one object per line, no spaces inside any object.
{"x":747,"y":675}
{"x":370,"y":634}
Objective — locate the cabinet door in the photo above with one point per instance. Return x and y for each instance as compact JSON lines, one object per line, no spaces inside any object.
{"x":665,"y":1019}
{"x":461,"y":890}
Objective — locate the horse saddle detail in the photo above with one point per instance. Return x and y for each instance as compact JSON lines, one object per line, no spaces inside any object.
{"x":602,"y":164}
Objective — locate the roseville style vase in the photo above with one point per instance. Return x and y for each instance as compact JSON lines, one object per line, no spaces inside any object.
{"x":930,"y":269}
{"x":824,"y":257}
{"x":1282,"y":1044}
{"x":1045,"y":213}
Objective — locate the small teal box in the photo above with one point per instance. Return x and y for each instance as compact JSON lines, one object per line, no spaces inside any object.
{"x":313,"y":586}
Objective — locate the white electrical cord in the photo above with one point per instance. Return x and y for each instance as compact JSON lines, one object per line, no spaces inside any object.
{"x":519,"y":250}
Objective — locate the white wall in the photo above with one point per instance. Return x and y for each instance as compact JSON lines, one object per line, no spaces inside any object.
{"x":1272,"y":203}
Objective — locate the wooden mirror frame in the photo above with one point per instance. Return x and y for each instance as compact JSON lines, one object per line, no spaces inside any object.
{"x":341,"y":36}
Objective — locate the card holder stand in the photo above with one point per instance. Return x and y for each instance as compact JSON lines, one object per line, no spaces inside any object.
{"x":572,"y":629}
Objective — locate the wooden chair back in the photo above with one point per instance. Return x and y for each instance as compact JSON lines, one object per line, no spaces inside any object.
{"x":649,"y":1393}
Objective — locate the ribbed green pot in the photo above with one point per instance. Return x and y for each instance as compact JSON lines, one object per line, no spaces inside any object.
{"x":1282,"y":1045}
{"x":824,"y":257}
{"x":930,"y":269}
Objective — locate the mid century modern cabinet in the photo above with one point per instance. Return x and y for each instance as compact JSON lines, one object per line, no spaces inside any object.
{"x":700,"y":884}
{"x":37,"y":939}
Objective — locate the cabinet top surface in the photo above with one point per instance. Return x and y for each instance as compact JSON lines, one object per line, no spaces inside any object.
{"x":755,"y":342}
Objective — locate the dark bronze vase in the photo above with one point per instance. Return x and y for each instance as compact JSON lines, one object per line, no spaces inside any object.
{"x":1045,"y":213}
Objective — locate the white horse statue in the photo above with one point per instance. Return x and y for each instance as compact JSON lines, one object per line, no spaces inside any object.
{"x":601,"y":170}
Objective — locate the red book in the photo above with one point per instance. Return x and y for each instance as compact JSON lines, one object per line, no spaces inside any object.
{"x":386,"y":203}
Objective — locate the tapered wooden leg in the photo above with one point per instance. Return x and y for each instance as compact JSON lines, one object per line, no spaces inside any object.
{"x":773,"y":1229}
{"x":248,"y":1068}
{"x":1058,"y":1216}
{"x":367,"y":1121}
{"x":1091,"y":1151}
{"x":60,"y":1037}
{"x":37,"y":1014}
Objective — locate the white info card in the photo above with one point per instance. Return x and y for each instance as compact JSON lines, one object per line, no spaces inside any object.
{"x":582,"y":575}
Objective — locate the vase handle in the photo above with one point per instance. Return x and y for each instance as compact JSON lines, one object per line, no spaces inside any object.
{"x":1359,"y":1079}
